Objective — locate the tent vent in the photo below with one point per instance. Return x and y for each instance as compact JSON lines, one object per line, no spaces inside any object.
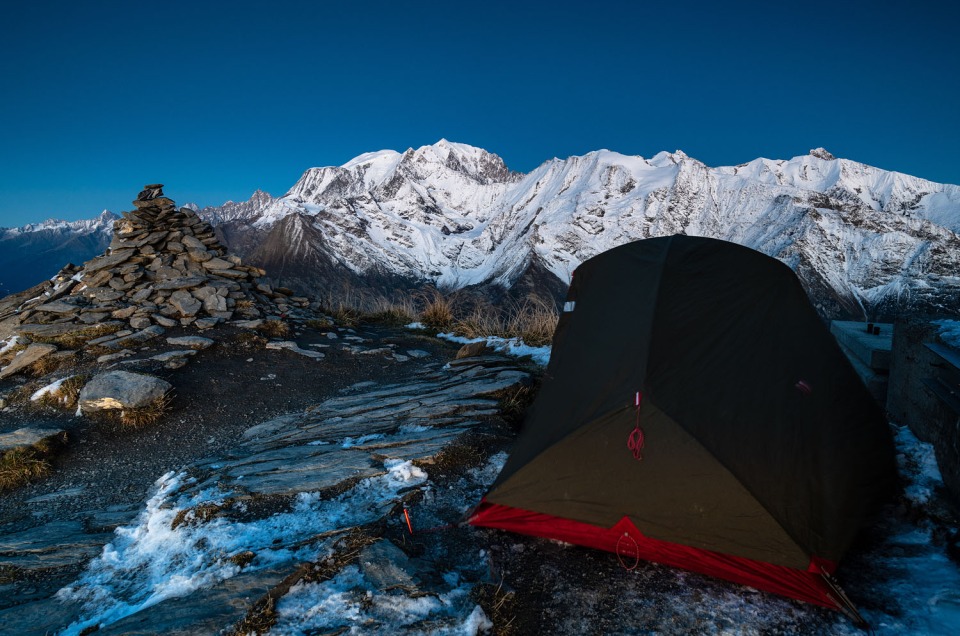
{"x":569,"y":305}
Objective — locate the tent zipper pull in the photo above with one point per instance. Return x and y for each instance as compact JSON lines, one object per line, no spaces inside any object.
{"x":637,"y":439}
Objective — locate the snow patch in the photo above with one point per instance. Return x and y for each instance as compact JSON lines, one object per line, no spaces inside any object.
{"x":510,"y":346}
{"x":949,"y":331}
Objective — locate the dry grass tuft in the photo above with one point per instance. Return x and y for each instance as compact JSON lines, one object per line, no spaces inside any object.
{"x":46,"y":365}
{"x":22,"y":465}
{"x":437,"y":310}
{"x":66,"y":394}
{"x":77,"y":339}
{"x":499,"y":605}
{"x":11,"y":353}
{"x":274,"y":329}
{"x":249,"y":340}
{"x":514,"y":402}
{"x":146,"y":415}
{"x":320,"y":324}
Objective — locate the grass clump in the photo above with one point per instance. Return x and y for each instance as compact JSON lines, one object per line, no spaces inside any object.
{"x":274,"y":329}
{"x":437,"y":312}
{"x":499,"y":605}
{"x":319,"y":324}
{"x":77,"y":339}
{"x":147,"y":415}
{"x":22,"y":465}
{"x":66,"y":395}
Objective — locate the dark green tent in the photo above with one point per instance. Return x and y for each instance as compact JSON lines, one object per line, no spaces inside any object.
{"x":697,"y":412}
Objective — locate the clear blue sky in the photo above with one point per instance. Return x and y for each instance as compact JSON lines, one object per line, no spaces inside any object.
{"x":217,"y":99}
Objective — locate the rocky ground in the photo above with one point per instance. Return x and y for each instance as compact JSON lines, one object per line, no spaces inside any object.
{"x":271,"y":497}
{"x":273,"y":472}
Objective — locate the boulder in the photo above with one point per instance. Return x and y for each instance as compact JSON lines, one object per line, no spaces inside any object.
{"x":121,"y":390}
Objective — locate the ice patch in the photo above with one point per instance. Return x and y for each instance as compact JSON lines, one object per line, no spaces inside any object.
{"x":351,"y":602}
{"x":150,"y":561}
{"x":363,"y":439}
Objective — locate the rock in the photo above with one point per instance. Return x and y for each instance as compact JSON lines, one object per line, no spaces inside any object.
{"x":387,"y":567}
{"x":134,"y":338}
{"x":167,"y":356}
{"x":124,"y":313}
{"x":103,"y":262}
{"x":111,"y":357}
{"x":418,"y":353}
{"x":25,"y":358}
{"x":59,"y":307}
{"x":217,"y":263}
{"x":207,"y":323}
{"x":194,"y":342}
{"x":24,"y":437}
{"x":180,"y":282}
{"x":185,"y":303}
{"x":163,"y":321}
{"x":292,"y":346}
{"x":140,"y":322}
{"x":473,"y":349}
{"x":121,"y":390}
{"x":248,"y":324}
{"x":193,"y":244}
{"x":215,"y":303}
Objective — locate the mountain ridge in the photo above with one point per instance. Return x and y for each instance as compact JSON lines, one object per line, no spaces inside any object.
{"x":866,"y":242}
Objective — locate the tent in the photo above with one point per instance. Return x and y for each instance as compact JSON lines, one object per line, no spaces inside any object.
{"x":697,"y":412}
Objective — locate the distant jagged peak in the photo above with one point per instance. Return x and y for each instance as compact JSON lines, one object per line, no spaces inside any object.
{"x":102,"y":222}
{"x":822,"y":153}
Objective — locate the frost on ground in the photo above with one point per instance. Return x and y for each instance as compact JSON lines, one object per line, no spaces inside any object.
{"x":900,"y":575}
{"x":158,"y":558}
{"x":949,"y":331}
{"x":510,"y":346}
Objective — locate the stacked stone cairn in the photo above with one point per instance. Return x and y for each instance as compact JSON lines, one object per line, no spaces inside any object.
{"x":164,"y":268}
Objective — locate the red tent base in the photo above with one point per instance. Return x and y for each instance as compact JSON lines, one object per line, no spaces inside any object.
{"x":630,"y":545}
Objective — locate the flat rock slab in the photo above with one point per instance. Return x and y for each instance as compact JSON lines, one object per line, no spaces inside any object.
{"x":292,"y":346}
{"x":24,"y":437}
{"x":25,"y":358}
{"x":121,"y":390}
{"x":136,"y":338}
{"x":167,"y":356}
{"x":194,"y":342}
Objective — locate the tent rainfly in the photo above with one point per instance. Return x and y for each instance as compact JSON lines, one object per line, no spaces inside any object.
{"x":696,"y":412}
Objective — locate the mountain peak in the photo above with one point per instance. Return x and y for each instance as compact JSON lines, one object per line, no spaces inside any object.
{"x":822,"y":153}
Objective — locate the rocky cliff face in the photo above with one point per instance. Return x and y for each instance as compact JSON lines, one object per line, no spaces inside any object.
{"x":866,"y":242}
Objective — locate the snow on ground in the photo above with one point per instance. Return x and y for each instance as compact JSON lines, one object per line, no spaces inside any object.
{"x":510,"y":346}
{"x":949,"y":331}
{"x":50,"y":388}
{"x":904,"y":580}
{"x":151,"y":560}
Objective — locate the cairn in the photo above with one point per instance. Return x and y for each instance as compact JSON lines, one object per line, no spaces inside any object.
{"x":164,"y":268}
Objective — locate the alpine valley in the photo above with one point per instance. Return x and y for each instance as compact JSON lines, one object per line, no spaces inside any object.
{"x":867,"y":243}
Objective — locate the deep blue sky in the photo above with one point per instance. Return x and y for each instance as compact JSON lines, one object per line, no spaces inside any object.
{"x":216,"y":99}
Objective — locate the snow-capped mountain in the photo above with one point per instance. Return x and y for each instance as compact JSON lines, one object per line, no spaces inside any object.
{"x":33,"y":252}
{"x":867,"y":242}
